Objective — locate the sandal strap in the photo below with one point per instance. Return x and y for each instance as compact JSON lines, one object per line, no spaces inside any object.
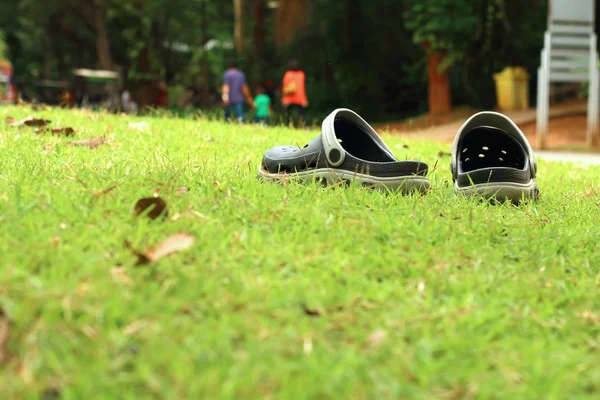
{"x":334,"y":151}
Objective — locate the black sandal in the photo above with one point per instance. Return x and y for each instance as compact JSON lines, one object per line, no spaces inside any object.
{"x":348,"y":149}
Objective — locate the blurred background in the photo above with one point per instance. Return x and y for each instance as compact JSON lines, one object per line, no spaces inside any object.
{"x":381,"y":58}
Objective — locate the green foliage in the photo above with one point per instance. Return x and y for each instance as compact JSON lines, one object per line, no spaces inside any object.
{"x":3,"y":47}
{"x":360,"y":58}
{"x":444,"y":25}
{"x":363,"y":54}
{"x":480,"y":37}
{"x":289,"y":291}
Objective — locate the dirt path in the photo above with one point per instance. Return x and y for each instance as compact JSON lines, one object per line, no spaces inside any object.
{"x":563,"y":156}
{"x":567,"y":127}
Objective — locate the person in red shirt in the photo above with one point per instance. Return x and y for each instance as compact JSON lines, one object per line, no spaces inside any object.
{"x":162,"y":97}
{"x":294,"y":92}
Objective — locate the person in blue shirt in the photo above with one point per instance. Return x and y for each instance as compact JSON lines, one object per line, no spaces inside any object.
{"x":235,"y":90}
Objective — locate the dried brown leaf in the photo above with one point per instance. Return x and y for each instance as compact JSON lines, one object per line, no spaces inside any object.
{"x":4,"y":336}
{"x":89,"y":143}
{"x":174,"y":244}
{"x":63,"y":131}
{"x":444,"y":154}
{"x":311,"y":312}
{"x":9,"y":120}
{"x":156,"y":205}
{"x":31,"y":121}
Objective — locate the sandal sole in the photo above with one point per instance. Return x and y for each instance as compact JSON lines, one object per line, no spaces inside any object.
{"x":332,"y":176}
{"x":502,"y":191}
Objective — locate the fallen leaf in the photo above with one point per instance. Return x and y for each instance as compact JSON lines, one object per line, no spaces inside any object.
{"x":90,"y":143}
{"x":63,"y":131}
{"x":444,"y":154}
{"x":174,"y":244}
{"x":4,"y":336}
{"x":156,"y":205}
{"x":182,"y":189}
{"x":30,"y":121}
{"x":376,"y":338}
{"x":312,"y":312}
{"x":9,"y":120}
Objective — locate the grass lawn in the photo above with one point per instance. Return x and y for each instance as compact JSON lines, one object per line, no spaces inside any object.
{"x":288,"y":291}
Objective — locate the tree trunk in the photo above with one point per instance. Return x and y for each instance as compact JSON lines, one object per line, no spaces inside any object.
{"x":439,"y":84}
{"x":291,"y":16}
{"x":203,"y":40}
{"x":259,"y":28}
{"x":47,"y":48}
{"x":238,"y":30}
{"x":102,"y":43}
{"x":103,"y":49}
{"x":147,"y":91}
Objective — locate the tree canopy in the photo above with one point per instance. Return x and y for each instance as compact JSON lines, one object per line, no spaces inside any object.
{"x":365,"y":54}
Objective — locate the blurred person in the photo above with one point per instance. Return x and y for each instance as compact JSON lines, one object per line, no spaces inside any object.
{"x":270,"y":89}
{"x":128,"y":105}
{"x":262,"y":102}
{"x":162,"y":97}
{"x":294,"y":92}
{"x":235,"y":90}
{"x":66,"y":98}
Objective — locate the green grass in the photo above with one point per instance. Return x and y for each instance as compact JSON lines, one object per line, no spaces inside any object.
{"x":289,"y":291}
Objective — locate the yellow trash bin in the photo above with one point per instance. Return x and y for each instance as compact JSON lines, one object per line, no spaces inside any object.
{"x":512,"y":89}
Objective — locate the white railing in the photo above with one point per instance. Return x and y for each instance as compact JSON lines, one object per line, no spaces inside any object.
{"x":569,"y":55}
